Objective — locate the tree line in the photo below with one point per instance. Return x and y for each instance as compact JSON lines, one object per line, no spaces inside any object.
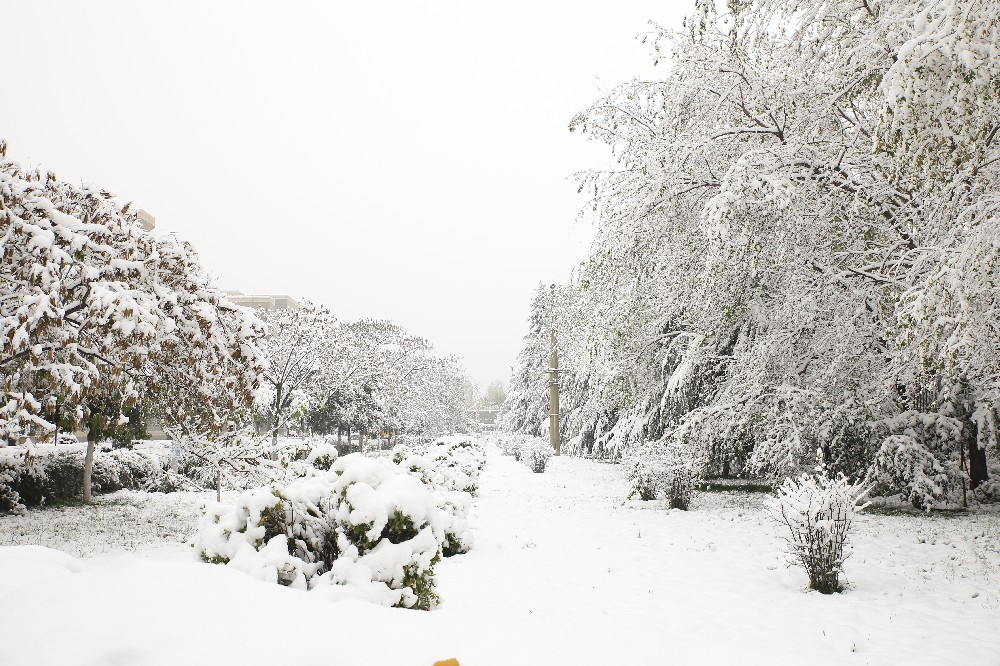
{"x":797,"y":254}
{"x":104,"y":324}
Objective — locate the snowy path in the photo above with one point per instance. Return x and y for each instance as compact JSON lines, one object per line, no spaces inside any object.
{"x":579,"y":578}
{"x":562,"y":573}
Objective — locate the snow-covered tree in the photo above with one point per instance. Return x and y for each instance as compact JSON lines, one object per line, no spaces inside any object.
{"x":299,"y":349}
{"x":799,"y":243}
{"x":95,"y":312}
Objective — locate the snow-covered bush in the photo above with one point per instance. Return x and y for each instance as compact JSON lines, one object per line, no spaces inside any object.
{"x":10,"y":499}
{"x":252,"y":536}
{"x":643,"y":481}
{"x":451,"y":467}
{"x":323,"y":455}
{"x":43,"y":479}
{"x":124,"y":469}
{"x":367,"y":529}
{"x":668,"y":477}
{"x":454,"y":461}
{"x":516,"y":451}
{"x":920,"y":459}
{"x":457,"y":533}
{"x":818,"y":512}
{"x":59,"y":476}
{"x":293,"y":449}
{"x":678,"y":483}
{"x":389,"y":523}
{"x":401,"y":452}
{"x":508,"y":443}
{"x":535,"y":453}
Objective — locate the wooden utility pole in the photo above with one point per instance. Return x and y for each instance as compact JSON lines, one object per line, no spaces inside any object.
{"x":553,"y":379}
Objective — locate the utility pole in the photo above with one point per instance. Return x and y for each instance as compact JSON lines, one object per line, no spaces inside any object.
{"x":553,"y":378}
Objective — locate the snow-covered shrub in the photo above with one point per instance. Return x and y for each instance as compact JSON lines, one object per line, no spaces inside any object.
{"x":366,"y":529}
{"x":401,"y":452}
{"x":454,"y":503}
{"x":323,"y":456}
{"x":516,"y":451}
{"x":678,"y":482}
{"x":920,"y":459}
{"x":59,"y":476}
{"x":668,"y":476}
{"x":454,"y":461}
{"x":10,"y":499}
{"x":389,"y":522}
{"x":127,"y":469}
{"x":253,"y":536}
{"x":535,"y":453}
{"x":457,"y":534}
{"x":818,"y":512}
{"x":43,"y":479}
{"x":292,"y":449}
{"x":643,"y":480}
{"x":989,"y":490}
{"x":508,"y":443}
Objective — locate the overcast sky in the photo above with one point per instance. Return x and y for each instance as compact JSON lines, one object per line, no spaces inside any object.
{"x":399,"y":160}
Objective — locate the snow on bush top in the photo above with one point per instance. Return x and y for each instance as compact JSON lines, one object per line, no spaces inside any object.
{"x":322,"y":456}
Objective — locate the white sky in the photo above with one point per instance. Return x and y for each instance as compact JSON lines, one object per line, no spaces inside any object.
{"x":395,"y":160}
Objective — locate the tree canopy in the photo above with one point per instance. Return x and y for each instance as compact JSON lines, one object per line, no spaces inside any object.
{"x":798,"y":250}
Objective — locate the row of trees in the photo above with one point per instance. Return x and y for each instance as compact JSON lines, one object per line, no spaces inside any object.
{"x":368,"y":377}
{"x":798,"y":253}
{"x":104,"y":324}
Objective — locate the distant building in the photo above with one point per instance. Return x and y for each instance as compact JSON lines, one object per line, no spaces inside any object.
{"x":487,"y":417}
{"x":146,"y":221}
{"x":264,"y":301}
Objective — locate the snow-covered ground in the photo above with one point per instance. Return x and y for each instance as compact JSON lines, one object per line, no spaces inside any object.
{"x":563,"y":572}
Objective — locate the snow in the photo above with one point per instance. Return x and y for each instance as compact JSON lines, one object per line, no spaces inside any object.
{"x":563,"y":572}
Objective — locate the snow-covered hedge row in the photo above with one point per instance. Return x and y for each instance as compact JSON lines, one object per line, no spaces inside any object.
{"x":367,"y":528}
{"x":451,"y":463}
{"x":451,"y":467}
{"x":248,"y":461}
{"x":59,"y":476}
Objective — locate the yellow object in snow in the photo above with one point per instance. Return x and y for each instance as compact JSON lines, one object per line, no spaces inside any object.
{"x":447,"y":662}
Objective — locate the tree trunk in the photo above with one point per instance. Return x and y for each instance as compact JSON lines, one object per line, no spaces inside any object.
{"x":55,"y":440}
{"x":340,"y":432}
{"x":277,"y":420}
{"x":554,"y":393}
{"x":88,"y":464}
{"x":978,"y":472}
{"x":348,"y":438}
